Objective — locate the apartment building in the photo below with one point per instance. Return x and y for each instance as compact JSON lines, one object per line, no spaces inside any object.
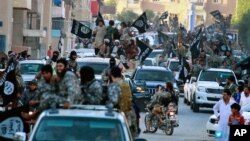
{"x":6,"y":20}
{"x":182,"y":8}
{"x":31,"y":24}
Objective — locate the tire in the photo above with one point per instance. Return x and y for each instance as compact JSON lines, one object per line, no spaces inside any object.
{"x":196,"y":107}
{"x":169,"y":129}
{"x":185,"y":100}
{"x":152,"y":129}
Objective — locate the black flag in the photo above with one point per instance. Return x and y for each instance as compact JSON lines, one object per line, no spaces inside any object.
{"x":185,"y":69}
{"x":81,"y":30}
{"x":164,"y":15}
{"x":99,"y":18}
{"x":216,"y":14}
{"x":144,"y":50}
{"x":195,"y":46}
{"x":11,"y":122}
{"x":8,"y":83}
{"x":141,"y":23}
{"x":60,"y":45}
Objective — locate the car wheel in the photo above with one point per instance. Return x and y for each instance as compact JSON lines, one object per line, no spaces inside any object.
{"x":195,"y":106}
{"x":151,"y":129}
{"x":185,"y":100}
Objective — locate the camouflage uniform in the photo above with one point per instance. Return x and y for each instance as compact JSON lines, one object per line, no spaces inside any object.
{"x":46,"y":94}
{"x":232,"y":87}
{"x":214,"y":61}
{"x":115,"y":95}
{"x":92,"y":93}
{"x":73,"y":66}
{"x":228,"y":62}
{"x":114,"y":92}
{"x":106,"y":76}
{"x":28,"y":96}
{"x":68,"y":88}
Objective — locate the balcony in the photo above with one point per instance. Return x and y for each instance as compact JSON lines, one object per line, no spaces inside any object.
{"x":34,"y":33}
{"x":22,"y":4}
{"x":58,"y":11}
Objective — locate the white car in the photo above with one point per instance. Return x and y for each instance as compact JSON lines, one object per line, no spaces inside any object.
{"x":149,"y":62}
{"x":187,"y":89}
{"x":206,"y":91}
{"x":212,"y":123}
{"x":83,"y":52}
{"x":80,"y":123}
{"x":173,"y":65}
{"x":29,"y":69}
{"x":97,"y":63}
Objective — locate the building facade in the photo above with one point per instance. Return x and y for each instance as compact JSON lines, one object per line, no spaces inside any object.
{"x":6,"y":20}
{"x":181,"y":8}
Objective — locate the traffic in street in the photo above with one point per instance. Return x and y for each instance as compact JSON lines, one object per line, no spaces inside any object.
{"x":192,"y":126}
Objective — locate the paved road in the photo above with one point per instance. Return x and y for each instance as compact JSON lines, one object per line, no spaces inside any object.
{"x":192,"y":126}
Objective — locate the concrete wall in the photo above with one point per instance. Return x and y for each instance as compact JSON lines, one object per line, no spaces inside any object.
{"x":47,"y":24}
{"x":19,"y":23}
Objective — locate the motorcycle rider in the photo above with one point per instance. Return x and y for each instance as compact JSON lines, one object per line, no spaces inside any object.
{"x":155,"y":106}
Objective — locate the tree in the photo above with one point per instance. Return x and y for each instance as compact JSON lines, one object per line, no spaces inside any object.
{"x":241,"y":20}
{"x":127,"y":16}
{"x":150,"y":14}
{"x":111,"y":3}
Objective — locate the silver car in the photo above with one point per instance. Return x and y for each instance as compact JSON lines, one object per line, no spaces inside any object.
{"x":29,"y":69}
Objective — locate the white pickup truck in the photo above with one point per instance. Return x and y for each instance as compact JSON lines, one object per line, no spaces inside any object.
{"x":206,"y":90}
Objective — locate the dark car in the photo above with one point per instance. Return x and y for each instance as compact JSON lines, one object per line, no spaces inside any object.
{"x":144,"y":81}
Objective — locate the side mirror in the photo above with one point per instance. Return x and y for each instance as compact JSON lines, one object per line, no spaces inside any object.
{"x":140,"y":139}
{"x":19,"y":136}
{"x":127,"y":76}
{"x":193,"y":79}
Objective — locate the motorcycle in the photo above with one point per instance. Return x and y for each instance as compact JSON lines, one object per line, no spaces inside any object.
{"x":168,"y":116}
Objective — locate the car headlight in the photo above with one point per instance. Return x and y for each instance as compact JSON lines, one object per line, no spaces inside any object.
{"x":171,"y":113}
{"x":201,"y":89}
{"x":140,"y":89}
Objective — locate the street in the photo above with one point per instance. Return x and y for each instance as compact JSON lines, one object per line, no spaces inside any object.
{"x":192,"y":126}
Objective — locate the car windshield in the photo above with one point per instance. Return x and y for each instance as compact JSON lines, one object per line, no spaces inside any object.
{"x":148,"y":63}
{"x":98,"y":67}
{"x":79,"y":129}
{"x":174,"y":66}
{"x":213,"y":75}
{"x":154,"y":75}
{"x":154,"y":54}
{"x":30,"y":68}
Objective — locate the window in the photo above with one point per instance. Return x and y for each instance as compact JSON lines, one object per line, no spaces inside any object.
{"x":213,"y":75}
{"x":2,"y":43}
{"x":217,"y":1}
{"x":98,"y":67}
{"x":30,"y":68}
{"x":146,"y":75}
{"x":72,"y":128}
{"x":1,"y":24}
{"x":133,"y":1}
{"x":174,"y":66}
{"x":57,"y":24}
